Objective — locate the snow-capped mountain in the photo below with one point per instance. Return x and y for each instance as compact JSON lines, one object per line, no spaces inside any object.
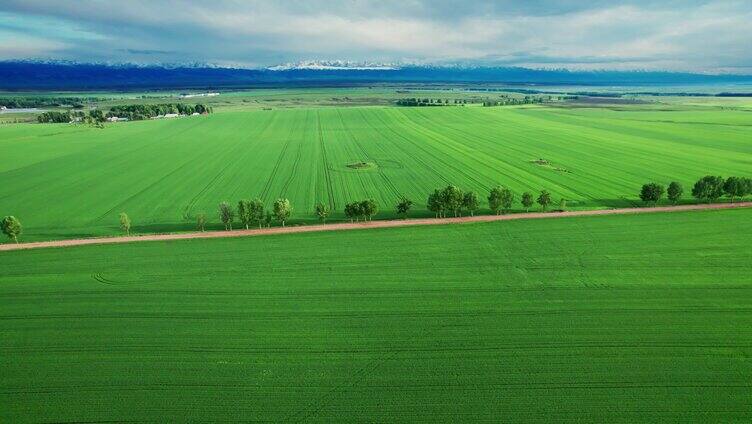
{"x":335,"y":65}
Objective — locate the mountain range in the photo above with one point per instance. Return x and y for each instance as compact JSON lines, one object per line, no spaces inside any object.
{"x":53,"y":75}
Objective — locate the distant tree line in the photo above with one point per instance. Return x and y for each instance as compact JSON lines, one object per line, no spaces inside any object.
{"x":139,"y":112}
{"x":130,"y":112}
{"x":40,"y":101}
{"x":54,"y":117}
{"x":413,"y":101}
{"x":510,"y":101}
{"x":94,"y":116}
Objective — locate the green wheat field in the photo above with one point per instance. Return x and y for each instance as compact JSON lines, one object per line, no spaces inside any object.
{"x":68,"y":181}
{"x":631,"y":318}
{"x":637,"y":318}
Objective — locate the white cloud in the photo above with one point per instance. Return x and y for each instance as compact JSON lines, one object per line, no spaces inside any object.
{"x":675,"y":34}
{"x":13,"y":45}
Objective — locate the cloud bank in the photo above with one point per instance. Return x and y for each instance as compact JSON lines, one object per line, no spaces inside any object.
{"x":687,"y":35}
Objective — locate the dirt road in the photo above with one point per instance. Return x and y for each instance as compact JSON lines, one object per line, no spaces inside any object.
{"x":364,"y":225}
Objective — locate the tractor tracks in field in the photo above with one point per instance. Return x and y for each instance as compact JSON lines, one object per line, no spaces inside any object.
{"x":327,"y":174}
{"x":390,"y":185}
{"x":356,"y":378}
{"x":440,"y":155}
{"x":268,"y":185}
{"x":187,"y":163}
{"x":194,"y":200}
{"x":416,"y":158}
{"x":369,"y":225}
{"x":296,"y":161}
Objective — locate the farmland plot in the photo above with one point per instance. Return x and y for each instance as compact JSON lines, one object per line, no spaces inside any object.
{"x":65,"y":181}
{"x":639,"y":318}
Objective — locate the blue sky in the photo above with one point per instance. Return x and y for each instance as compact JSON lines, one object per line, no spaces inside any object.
{"x":687,"y":35}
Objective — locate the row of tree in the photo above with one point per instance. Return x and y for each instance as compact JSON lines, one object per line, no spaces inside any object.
{"x":449,"y":200}
{"x":500,"y":200}
{"x":413,"y":101}
{"x":42,"y":101}
{"x":510,"y":101}
{"x":54,"y":117}
{"x":364,"y":209}
{"x":94,"y":116}
{"x":139,"y":112}
{"x":709,"y":188}
{"x":250,"y":212}
{"x":130,"y":112}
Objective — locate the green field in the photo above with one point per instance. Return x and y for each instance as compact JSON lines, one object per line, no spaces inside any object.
{"x":66,"y":181}
{"x":620,"y":318}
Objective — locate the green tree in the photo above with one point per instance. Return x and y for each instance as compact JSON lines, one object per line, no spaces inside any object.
{"x":544,"y":199}
{"x":257,"y":211}
{"x":563,"y":204}
{"x":652,"y":193}
{"x":734,"y":187}
{"x":527,"y":200}
{"x":451,"y":199}
{"x":54,"y":117}
{"x":434,"y":203}
{"x":244,"y":213}
{"x":11,"y":227}
{"x":470,"y":202}
{"x":226,"y":215}
{"x":268,"y":220}
{"x":125,"y":223}
{"x":368,"y":208}
{"x":354,"y":210}
{"x":322,"y":211}
{"x":747,"y":187}
{"x":350,"y":211}
{"x":494,"y":199}
{"x":675,"y":192}
{"x":96,"y":115}
{"x":403,"y":207}
{"x":708,"y":188}
{"x":282,"y":210}
{"x":201,"y":222}
{"x":507,"y":199}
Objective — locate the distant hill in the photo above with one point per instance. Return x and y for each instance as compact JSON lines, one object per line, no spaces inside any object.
{"x":25,"y":75}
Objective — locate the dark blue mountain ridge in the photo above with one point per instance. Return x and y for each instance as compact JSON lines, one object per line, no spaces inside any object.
{"x":45,"y":75}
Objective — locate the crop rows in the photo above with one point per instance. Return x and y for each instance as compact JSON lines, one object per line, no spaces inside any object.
{"x":63,"y":180}
{"x":600,"y":319}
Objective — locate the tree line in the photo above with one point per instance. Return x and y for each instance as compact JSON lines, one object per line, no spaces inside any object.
{"x":452,"y":200}
{"x":139,"y":112}
{"x":54,"y":117}
{"x":131,"y":112}
{"x":708,"y":189}
{"x":414,"y":101}
{"x":250,"y":212}
{"x":442,"y":202}
{"x":40,"y":101}
{"x":511,"y":101}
